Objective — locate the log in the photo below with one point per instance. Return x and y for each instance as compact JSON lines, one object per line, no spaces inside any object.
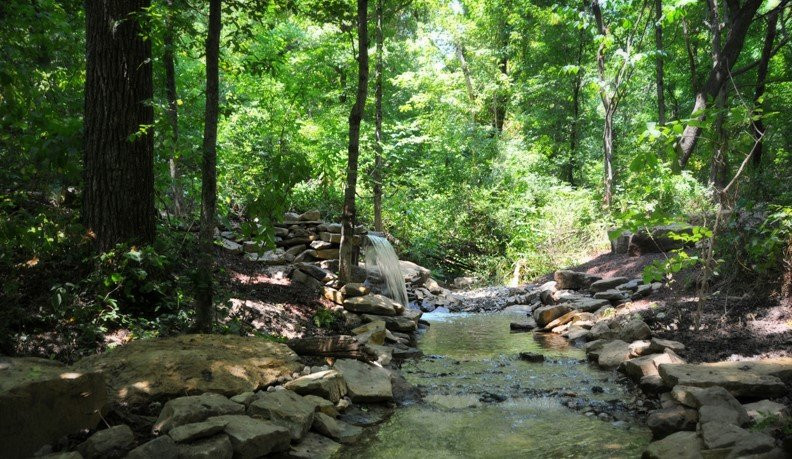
{"x":341,"y":346}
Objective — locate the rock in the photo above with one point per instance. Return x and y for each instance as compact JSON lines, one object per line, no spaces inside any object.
{"x":354,"y":289}
{"x":305,"y":255}
{"x":612,"y":354}
{"x":244,"y":398}
{"x":253,"y":438}
{"x":339,"y":431}
{"x":571,"y":280}
{"x":532,"y":357}
{"x":63,"y":455}
{"x":394,"y":323}
{"x":286,"y":409}
{"x":191,"y":364}
{"x":192,"y":409}
{"x":764,"y":409}
{"x":652,"y":384}
{"x":161,"y":448}
{"x":413,"y":273}
{"x":291,"y":217}
{"x":373,"y":414}
{"x":659,"y":239}
{"x":780,"y":367}
{"x":217,"y":447}
{"x":383,"y":355}
{"x":326,"y":254}
{"x":547,"y":314}
{"x":373,"y":332}
{"x":330,"y":237}
{"x":641,"y":347}
{"x":740,"y":382}
{"x":680,"y":445}
{"x":587,"y":304}
{"x":328,"y":384}
{"x":190,"y":432}
{"x":315,"y":446}
{"x":433,"y":287}
{"x":714,"y":403}
{"x":641,"y":292}
{"x":528,"y":325}
{"x":607,"y":284}
{"x":412,"y":314}
{"x":647,"y":365}
{"x":113,"y":442}
{"x":322,"y":405}
{"x":296,"y":250}
{"x":372,"y":304}
{"x":365,"y":382}
{"x":310,"y":216}
{"x":754,"y":445}
{"x":563,"y":320}
{"x":333,"y":295}
{"x":231,"y":246}
{"x":593,"y":346}
{"x":666,"y":421}
{"x":464,"y":282}
{"x":406,"y":352}
{"x":718,"y":435}
{"x":42,"y":400}
{"x":627,"y":329}
{"x":322,"y":275}
{"x":657,"y":345}
{"x":321,"y":245}
{"x":611,"y":295}
{"x":631,"y":285}
{"x":576,"y":333}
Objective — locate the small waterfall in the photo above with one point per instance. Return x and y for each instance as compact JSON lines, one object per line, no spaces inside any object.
{"x":383,"y":269}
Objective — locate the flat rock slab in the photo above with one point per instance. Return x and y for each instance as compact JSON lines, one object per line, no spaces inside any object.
{"x":115,"y":441}
{"x":372,"y":304}
{"x":192,"y":409}
{"x":339,"y":431}
{"x":326,"y":384}
{"x":144,"y":370}
{"x":365,"y":382}
{"x":393,"y":323}
{"x":253,"y":438}
{"x":42,"y":400}
{"x":780,"y":367}
{"x":217,"y":447}
{"x":287,"y":409}
{"x":680,"y":445}
{"x":314,"y":446}
{"x":740,"y":381}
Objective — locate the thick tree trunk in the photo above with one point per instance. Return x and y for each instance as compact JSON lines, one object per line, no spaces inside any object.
{"x":608,"y":104}
{"x":173,"y":112}
{"x":378,"y":172}
{"x":573,"y":130}
{"x":607,"y":141}
{"x":718,"y":164}
{"x":661,"y":115}
{"x":205,"y":290}
{"x":118,"y":200}
{"x":349,"y":214}
{"x":739,"y":21}
{"x":758,"y":130}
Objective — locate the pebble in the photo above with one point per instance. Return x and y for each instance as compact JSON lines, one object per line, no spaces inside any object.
{"x":306,"y":371}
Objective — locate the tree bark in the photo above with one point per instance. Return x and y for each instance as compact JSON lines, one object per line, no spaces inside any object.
{"x":118,"y":199}
{"x":609,"y":106}
{"x":758,"y":130}
{"x":661,"y":115}
{"x":349,"y":213}
{"x":168,"y":61}
{"x":740,"y":19}
{"x":378,"y":172}
{"x":573,"y":129}
{"x":205,"y":289}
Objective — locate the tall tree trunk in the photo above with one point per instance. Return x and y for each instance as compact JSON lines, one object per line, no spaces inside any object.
{"x":502,"y":102}
{"x":349,"y":214}
{"x":691,"y":56}
{"x":758,"y":130}
{"x":573,"y":130}
{"x":118,"y":200}
{"x":718,"y":164}
{"x":205,"y":290}
{"x":661,"y":115}
{"x":459,"y":49}
{"x":607,"y":141}
{"x":378,"y":172}
{"x":608,"y":104}
{"x":173,"y":112}
{"x":740,"y":19}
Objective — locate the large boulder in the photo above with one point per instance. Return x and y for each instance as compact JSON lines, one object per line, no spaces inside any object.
{"x":252,"y":438}
{"x":393,"y":323}
{"x":144,"y":370}
{"x":714,"y":403}
{"x":161,"y":447}
{"x":612,"y":354}
{"x":217,"y":447}
{"x":413,"y":273}
{"x":315,"y":446}
{"x":547,"y":314}
{"x":113,"y":442}
{"x":659,"y":239}
{"x":327,"y":384}
{"x":571,"y":280}
{"x":647,"y":365}
{"x":194,"y":408}
{"x":42,"y":400}
{"x":680,"y":445}
{"x":624,"y":328}
{"x":740,"y":381}
{"x":287,"y":409}
{"x":339,"y":431}
{"x":365,"y":382}
{"x":373,"y":304}
{"x":665,"y":421}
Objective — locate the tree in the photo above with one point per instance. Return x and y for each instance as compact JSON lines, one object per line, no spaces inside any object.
{"x":661,"y":116}
{"x":205,"y":290}
{"x":173,"y":111}
{"x":378,"y":165}
{"x":118,"y":196}
{"x":758,"y":130}
{"x":348,"y":214}
{"x":724,"y":57}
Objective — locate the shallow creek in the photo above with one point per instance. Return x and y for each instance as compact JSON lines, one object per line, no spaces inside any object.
{"x":482,"y":401}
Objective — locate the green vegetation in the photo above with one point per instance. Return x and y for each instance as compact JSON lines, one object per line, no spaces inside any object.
{"x":500,"y":122}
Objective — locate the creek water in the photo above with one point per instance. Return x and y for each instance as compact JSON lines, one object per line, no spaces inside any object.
{"x":481,"y":401}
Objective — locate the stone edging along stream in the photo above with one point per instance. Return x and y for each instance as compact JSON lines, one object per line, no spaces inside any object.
{"x":700,"y":413}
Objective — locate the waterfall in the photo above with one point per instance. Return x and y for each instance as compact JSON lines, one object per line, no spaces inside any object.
{"x":383,"y":269}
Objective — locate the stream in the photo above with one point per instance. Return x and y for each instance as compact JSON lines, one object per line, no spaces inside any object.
{"x":481,"y":400}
